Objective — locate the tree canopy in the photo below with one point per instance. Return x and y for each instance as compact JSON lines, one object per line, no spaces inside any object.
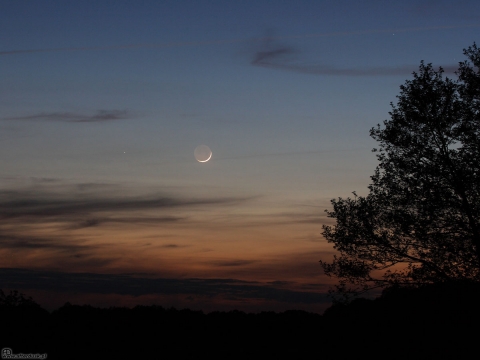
{"x":16,"y":300}
{"x":420,"y":222}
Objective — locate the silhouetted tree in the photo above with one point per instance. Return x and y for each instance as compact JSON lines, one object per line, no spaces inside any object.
{"x":16,"y":299}
{"x":420,"y":222}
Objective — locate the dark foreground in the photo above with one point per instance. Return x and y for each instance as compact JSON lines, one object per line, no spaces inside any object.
{"x":435,"y":322}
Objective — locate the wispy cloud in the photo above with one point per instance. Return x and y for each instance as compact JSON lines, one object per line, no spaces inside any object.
{"x":280,"y":57}
{"x":228,"y":263}
{"x":172,"y":246}
{"x":137,"y":286}
{"x":64,"y":249}
{"x":144,"y":220}
{"x":99,"y":116}
{"x":10,"y":241}
{"x":78,"y":209}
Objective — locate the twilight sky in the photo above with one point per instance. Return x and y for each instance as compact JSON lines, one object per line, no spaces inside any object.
{"x":102,"y":104}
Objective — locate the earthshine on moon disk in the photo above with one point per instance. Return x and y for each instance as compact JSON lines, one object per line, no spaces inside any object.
{"x":202,"y":153}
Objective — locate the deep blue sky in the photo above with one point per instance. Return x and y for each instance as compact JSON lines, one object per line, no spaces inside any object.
{"x":103,"y":102}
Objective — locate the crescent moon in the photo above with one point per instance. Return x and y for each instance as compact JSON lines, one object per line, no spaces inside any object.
{"x":202,"y":153}
{"x":205,"y":160}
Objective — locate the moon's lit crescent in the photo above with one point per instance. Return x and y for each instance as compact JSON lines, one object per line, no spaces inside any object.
{"x":202,"y":153}
{"x":205,"y":160}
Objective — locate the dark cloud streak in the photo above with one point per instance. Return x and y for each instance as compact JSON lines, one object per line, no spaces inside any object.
{"x":70,"y":251}
{"x":41,"y":206}
{"x":10,"y":241}
{"x":79,"y":210}
{"x":137,"y":286}
{"x":99,"y":116}
{"x":93,"y":222}
{"x":235,"y":263}
{"x":277,"y":58}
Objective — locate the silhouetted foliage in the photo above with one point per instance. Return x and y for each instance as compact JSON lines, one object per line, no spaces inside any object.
{"x":16,"y":299}
{"x":21,"y":321}
{"x":420,"y":222}
{"x":394,"y":325}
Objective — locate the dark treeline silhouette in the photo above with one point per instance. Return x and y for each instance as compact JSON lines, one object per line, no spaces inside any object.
{"x":433,"y":321}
